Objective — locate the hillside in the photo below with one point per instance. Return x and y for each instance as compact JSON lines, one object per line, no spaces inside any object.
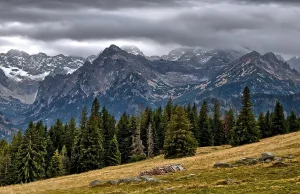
{"x":260,"y":178}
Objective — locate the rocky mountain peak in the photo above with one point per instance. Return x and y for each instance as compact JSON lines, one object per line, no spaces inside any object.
{"x":132,"y":50}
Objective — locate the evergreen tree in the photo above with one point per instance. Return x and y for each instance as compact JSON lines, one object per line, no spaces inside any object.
{"x":150,"y":141}
{"x":218,"y":130}
{"x":262,"y":124}
{"x":4,"y":161}
{"x":108,"y":129}
{"x":91,"y":146}
{"x":146,"y":120}
{"x":245,"y":130}
{"x":56,"y":165}
{"x":137,"y":147}
{"x":125,"y":136}
{"x":13,"y":166}
{"x":168,"y":110}
{"x":30,"y":161}
{"x":179,"y":141}
{"x":267,"y":131}
{"x":293,"y":124}
{"x":66,"y":161}
{"x":206,"y":136}
{"x":193,"y":117}
{"x":56,"y":133}
{"x":158,"y":130}
{"x":70,"y":136}
{"x":113,"y":157}
{"x":76,"y":149}
{"x":278,"y":120}
{"x":228,"y":124}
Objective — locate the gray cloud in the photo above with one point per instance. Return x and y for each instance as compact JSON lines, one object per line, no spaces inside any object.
{"x":54,"y":25}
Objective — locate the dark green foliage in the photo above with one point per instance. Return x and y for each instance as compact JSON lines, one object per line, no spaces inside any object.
{"x":56,"y":133}
{"x":159,"y":126}
{"x":30,"y":159}
{"x":262,"y":124}
{"x":245,"y":130}
{"x":137,"y":146}
{"x":292,"y":122}
{"x":125,"y":135}
{"x":76,"y":149}
{"x":228,"y":124}
{"x":217,"y":128}
{"x":206,"y":136}
{"x":179,"y":141}
{"x":109,"y":129}
{"x":146,"y":120}
{"x":70,"y":136}
{"x":278,"y":120}
{"x":193,"y":117}
{"x":113,"y":157}
{"x":91,"y":146}
{"x":56,"y":166}
{"x":66,"y":161}
{"x":13,"y":165}
{"x":4,"y":161}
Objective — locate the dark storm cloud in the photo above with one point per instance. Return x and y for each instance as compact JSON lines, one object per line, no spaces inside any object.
{"x":206,"y":23}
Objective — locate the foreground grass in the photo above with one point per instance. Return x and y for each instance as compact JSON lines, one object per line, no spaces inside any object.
{"x":255,"y":179}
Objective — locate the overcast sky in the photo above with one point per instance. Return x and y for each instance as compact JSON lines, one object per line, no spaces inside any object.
{"x":85,"y":27}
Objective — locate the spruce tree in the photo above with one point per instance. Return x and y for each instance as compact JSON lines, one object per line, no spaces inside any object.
{"x":66,"y":161}
{"x":159,"y":128}
{"x":56,"y":166}
{"x":137,"y":146}
{"x":261,"y":123}
{"x":76,"y":149}
{"x":267,"y":131}
{"x":179,"y":141}
{"x":206,"y":136}
{"x":4,"y":161}
{"x":91,"y":146}
{"x":193,"y":117}
{"x":228,"y":124}
{"x":125,"y":135}
{"x":218,"y":130}
{"x":30,"y":161}
{"x":109,"y":129}
{"x":113,"y":157}
{"x":146,"y":120}
{"x":56,"y":133}
{"x":292,"y":121}
{"x":70,"y":136}
{"x":245,"y":130}
{"x":150,"y":141}
{"x":13,"y":166}
{"x":278,"y":120}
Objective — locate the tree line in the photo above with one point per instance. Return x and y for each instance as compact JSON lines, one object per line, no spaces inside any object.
{"x":99,"y":141}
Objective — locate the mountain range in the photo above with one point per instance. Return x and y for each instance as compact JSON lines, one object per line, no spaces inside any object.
{"x":41,"y":87}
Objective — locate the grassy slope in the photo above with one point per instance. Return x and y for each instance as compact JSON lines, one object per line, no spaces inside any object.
{"x":255,"y":179}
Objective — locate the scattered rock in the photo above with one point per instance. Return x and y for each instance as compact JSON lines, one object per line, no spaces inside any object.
{"x":97,"y":183}
{"x":268,"y":161}
{"x":239,"y":163}
{"x":163,"y":170}
{"x":130,"y":180}
{"x":279,"y":164}
{"x":252,"y":161}
{"x":267,"y":156}
{"x":113,"y":182}
{"x":222,"y":165}
{"x":278,"y":159}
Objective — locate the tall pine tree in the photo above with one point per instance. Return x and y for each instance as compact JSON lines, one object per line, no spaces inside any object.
{"x":180,"y":141}
{"x":245,"y":130}
{"x":113,"y":157}
{"x":278,"y":120}
{"x":218,"y":131}
{"x":206,"y":136}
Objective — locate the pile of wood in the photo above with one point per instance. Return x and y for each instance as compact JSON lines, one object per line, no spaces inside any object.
{"x":163,"y":170}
